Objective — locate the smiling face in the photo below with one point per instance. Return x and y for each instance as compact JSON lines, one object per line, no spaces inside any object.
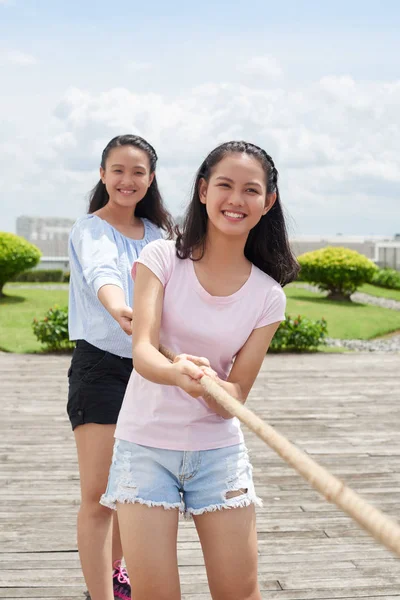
{"x":126,"y":175}
{"x":235,"y":195}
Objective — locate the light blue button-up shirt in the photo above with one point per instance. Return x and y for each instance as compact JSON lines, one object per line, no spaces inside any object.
{"x":100,"y":255}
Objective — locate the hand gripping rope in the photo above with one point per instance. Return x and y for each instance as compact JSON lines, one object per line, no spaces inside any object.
{"x":374,"y":521}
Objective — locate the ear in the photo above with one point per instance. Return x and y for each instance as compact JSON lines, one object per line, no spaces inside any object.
{"x":102,"y":173}
{"x":269,"y":202}
{"x":151,"y":178}
{"x":203,"y":185}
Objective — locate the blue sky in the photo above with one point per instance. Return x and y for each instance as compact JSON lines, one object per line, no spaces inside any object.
{"x":316,"y":83}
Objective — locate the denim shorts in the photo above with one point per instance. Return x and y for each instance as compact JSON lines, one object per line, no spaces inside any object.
{"x":193,"y":482}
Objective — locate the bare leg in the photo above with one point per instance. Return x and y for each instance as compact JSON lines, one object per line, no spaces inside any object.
{"x":229,"y":541}
{"x":149,"y":539}
{"x":94,"y":444}
{"x":116,"y":539}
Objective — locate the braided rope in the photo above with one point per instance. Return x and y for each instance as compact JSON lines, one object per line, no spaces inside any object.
{"x":375,"y":522}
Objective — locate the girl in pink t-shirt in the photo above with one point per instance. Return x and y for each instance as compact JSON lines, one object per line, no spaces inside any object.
{"x":215,"y":292}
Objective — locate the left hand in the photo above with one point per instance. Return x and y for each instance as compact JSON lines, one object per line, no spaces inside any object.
{"x":213,"y":404}
{"x":210,"y":373}
{"x":199,"y":361}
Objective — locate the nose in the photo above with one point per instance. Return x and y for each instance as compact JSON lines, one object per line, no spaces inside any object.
{"x":236,"y":199}
{"x":127,"y":179}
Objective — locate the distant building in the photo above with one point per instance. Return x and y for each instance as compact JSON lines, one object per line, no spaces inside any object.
{"x":383,"y":250}
{"x":50,"y":235}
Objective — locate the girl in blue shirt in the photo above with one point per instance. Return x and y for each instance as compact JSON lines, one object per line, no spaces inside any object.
{"x":126,"y":212}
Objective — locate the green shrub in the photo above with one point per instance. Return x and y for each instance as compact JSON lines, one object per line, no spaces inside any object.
{"x":16,"y":255}
{"x":41,"y":275}
{"x":387,"y":278}
{"x":299,"y":335}
{"x":337,"y":270}
{"x":299,"y":276}
{"x":52,"y":330}
{"x":66,"y":277}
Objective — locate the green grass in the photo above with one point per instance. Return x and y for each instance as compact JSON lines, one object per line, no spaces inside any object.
{"x":28,"y":284}
{"x":345,"y":320}
{"x":381,"y":292}
{"x":17,"y":309}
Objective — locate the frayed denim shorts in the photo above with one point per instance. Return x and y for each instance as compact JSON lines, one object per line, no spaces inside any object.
{"x":193,"y":482}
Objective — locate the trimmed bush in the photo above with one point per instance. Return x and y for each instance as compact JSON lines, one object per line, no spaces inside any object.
{"x":66,"y":277}
{"x":299,"y":335}
{"x":16,"y":255}
{"x":387,"y":278}
{"x":339,"y":271}
{"x":299,"y":276}
{"x":52,"y":330}
{"x":41,"y":275}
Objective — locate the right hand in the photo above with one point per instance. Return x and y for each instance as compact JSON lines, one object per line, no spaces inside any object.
{"x":188,"y":375}
{"x":123,"y":316}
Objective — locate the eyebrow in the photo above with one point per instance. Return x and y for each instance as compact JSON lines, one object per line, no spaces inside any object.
{"x":135,"y":167}
{"x":231,"y":180}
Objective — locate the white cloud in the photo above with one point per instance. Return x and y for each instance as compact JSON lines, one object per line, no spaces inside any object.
{"x":15,"y":57}
{"x":336,"y":143}
{"x":267,"y":66}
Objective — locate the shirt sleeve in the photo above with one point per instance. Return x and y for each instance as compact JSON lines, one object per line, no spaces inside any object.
{"x":274,"y":308}
{"x":95,"y":248}
{"x":158,"y":257}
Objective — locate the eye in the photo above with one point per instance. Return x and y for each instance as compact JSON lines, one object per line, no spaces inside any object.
{"x":252,"y":191}
{"x":223,"y":185}
{"x":139,"y":173}
{"x":117,"y":171}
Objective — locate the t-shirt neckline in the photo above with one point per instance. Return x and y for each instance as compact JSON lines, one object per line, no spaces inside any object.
{"x":217,"y":299}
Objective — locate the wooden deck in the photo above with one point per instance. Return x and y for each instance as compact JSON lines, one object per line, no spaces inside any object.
{"x":344,"y":410}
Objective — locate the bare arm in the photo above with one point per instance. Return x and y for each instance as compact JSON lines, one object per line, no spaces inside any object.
{"x":245,"y":368}
{"x":148,"y":361}
{"x":94,"y":246}
{"x":186,"y":372}
{"x":112,"y":298}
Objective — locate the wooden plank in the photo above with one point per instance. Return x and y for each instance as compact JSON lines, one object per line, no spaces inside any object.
{"x":343,"y":410}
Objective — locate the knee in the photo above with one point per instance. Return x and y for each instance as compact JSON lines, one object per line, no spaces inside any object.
{"x":254,"y":595}
{"x":228,"y":595}
{"x":250,"y":591}
{"x":162,"y":593}
{"x":91,"y":508}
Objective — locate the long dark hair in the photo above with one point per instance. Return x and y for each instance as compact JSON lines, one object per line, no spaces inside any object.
{"x":151,"y":207}
{"x":267,"y":245}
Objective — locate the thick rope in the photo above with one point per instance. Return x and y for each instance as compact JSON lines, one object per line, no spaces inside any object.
{"x":374,"y":521}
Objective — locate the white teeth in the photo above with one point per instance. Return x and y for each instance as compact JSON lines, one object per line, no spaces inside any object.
{"x":126,"y":191}
{"x":233,"y":215}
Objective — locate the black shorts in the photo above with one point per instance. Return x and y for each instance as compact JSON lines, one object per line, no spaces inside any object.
{"x":97,"y":383}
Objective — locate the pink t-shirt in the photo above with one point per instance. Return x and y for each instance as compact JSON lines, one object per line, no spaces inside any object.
{"x":194,"y":322}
